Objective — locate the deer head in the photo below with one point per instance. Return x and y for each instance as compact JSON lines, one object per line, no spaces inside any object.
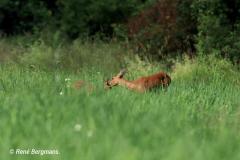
{"x":115,"y":80}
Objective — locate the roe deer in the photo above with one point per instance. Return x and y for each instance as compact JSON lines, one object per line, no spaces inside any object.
{"x":80,"y":84}
{"x":142,"y":84}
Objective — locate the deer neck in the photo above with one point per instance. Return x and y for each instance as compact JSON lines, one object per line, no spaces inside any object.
{"x":130,"y":85}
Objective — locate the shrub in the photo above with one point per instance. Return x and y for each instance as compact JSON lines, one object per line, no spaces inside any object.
{"x":19,"y":16}
{"x":165,"y":29}
{"x":219,"y":28}
{"x":203,"y":69}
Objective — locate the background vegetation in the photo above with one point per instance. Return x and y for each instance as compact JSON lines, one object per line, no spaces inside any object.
{"x":45,"y":46}
{"x":156,"y":28}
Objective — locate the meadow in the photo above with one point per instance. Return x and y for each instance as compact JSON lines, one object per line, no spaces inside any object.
{"x":197,"y":118}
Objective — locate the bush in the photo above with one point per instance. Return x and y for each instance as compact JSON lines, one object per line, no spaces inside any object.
{"x":219,"y":29}
{"x":74,"y":18}
{"x":202,"y":69}
{"x":20,"y":16}
{"x":90,"y":17}
{"x":165,"y":29}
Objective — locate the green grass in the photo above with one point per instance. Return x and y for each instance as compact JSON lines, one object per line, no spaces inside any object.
{"x":197,"y":118}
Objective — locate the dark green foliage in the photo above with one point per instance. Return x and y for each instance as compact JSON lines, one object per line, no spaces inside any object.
{"x":155,"y":28}
{"x":19,"y":16}
{"x":88,"y":17}
{"x":172,"y":27}
{"x":73,"y":17}
{"x":165,"y":29}
{"x":219,"y":28}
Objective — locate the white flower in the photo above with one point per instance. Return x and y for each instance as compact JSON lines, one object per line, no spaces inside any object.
{"x":61,"y":93}
{"x":77,"y":127}
{"x":67,"y":79}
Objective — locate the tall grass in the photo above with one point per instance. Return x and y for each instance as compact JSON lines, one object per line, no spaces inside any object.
{"x":61,"y":55}
{"x":197,"y":118}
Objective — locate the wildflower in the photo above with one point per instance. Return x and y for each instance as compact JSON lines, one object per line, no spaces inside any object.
{"x":61,"y":93}
{"x":67,"y":79}
{"x":77,"y":127}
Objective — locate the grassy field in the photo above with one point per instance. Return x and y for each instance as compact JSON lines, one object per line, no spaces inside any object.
{"x":197,"y":118}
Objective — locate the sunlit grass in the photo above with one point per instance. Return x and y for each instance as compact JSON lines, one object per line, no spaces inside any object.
{"x":197,"y":118}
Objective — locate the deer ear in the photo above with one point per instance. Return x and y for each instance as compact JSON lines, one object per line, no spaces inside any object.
{"x":122,"y":73}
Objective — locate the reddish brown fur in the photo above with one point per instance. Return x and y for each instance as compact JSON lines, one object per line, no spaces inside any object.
{"x":80,"y":84}
{"x":160,"y":79}
{"x":142,"y":84}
